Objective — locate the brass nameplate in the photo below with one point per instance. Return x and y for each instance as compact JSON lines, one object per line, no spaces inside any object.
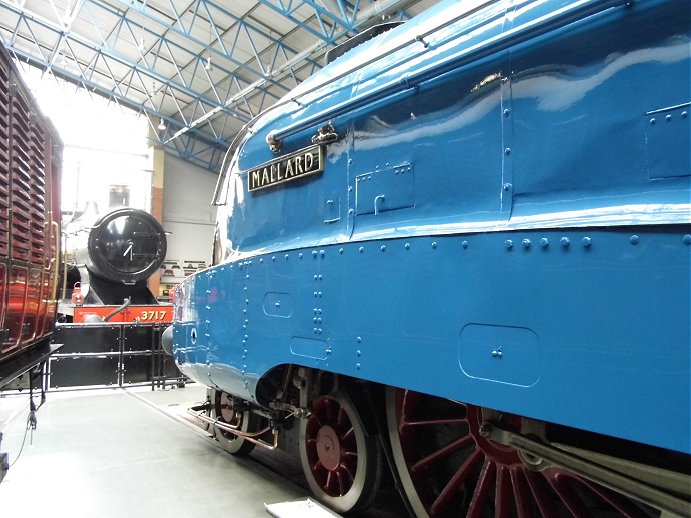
{"x":302,"y":163}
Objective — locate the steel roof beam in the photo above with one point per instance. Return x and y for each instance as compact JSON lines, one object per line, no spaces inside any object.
{"x":107,"y":52}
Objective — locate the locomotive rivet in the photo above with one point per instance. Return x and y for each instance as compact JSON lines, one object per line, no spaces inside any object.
{"x":565,"y":241}
{"x":383,"y":248}
{"x":351,"y":211}
{"x":315,"y":277}
{"x":361,"y":249}
{"x":314,"y":330}
{"x":247,"y":321}
{"x":247,"y":301}
{"x":526,"y":243}
{"x":261,"y":260}
{"x":286,"y":256}
{"x":464,"y":244}
{"x":319,"y":320}
{"x":634,"y":239}
{"x":245,"y":351}
{"x":315,"y":311}
{"x":244,"y":326}
{"x":320,"y":294}
{"x":687,"y":239}
{"x":508,"y":244}
{"x":315,"y":294}
{"x":319,"y":312}
{"x":340,"y":250}
{"x":358,"y":352}
{"x":314,"y":320}
{"x":507,"y":186}
{"x":544,"y":242}
{"x":319,"y":331}
{"x":314,"y":253}
{"x":668,"y":118}
{"x":244,"y":311}
{"x":587,"y":241}
{"x":320,"y":277}
{"x":247,"y":276}
{"x":350,"y":189}
{"x":357,"y":366}
{"x":407,"y":246}
{"x":321,"y":252}
{"x":273,"y":258}
{"x":434,"y":244}
{"x":507,"y":151}
{"x":245,"y":288}
{"x":652,"y":121}
{"x":684,"y":115}
{"x":358,"y":339}
{"x":507,"y":112}
{"x":300,"y":255}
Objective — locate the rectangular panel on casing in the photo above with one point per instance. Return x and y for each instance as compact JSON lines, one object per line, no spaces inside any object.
{"x":385,"y":189}
{"x":668,"y":142}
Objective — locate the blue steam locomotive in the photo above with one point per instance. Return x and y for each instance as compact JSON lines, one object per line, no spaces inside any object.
{"x":463,"y":250}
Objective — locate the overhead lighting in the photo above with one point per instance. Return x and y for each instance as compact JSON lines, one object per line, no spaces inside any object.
{"x":162,"y":125}
{"x":207,"y":64}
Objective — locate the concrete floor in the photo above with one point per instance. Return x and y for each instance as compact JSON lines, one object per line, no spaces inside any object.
{"x":127,"y":453}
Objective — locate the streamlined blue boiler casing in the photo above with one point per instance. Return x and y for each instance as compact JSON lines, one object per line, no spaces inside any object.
{"x":504,"y":219}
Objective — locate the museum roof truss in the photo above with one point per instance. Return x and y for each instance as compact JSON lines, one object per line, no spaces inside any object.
{"x":198,"y":69}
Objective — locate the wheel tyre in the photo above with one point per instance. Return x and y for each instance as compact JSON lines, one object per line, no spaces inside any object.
{"x":350,"y":478}
{"x":222,"y":409}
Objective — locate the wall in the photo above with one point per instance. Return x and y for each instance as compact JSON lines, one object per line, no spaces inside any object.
{"x":189,"y":217}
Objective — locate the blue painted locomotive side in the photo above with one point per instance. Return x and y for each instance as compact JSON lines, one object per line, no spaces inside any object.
{"x":504,"y":220}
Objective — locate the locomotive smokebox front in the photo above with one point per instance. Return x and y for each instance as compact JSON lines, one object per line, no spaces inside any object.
{"x":124,"y":248}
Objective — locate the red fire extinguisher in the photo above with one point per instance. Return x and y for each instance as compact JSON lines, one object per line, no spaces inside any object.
{"x":77,"y":297}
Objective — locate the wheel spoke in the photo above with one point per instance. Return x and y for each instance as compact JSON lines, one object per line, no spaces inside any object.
{"x":521,"y":492}
{"x":504,"y":493}
{"x":348,"y":435}
{"x":568,"y":496}
{"x":424,"y":463}
{"x":434,"y":422}
{"x":483,"y":489}
{"x":456,"y":481}
{"x":541,"y":494}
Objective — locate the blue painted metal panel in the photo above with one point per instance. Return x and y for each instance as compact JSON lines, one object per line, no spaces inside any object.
{"x":539,"y":262}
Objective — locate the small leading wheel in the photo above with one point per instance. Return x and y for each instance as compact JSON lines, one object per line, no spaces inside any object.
{"x":223,"y":409}
{"x":342,"y":464}
{"x":448,"y":469}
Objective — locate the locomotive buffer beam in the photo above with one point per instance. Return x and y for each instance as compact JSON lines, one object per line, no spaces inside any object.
{"x":602,"y":469}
